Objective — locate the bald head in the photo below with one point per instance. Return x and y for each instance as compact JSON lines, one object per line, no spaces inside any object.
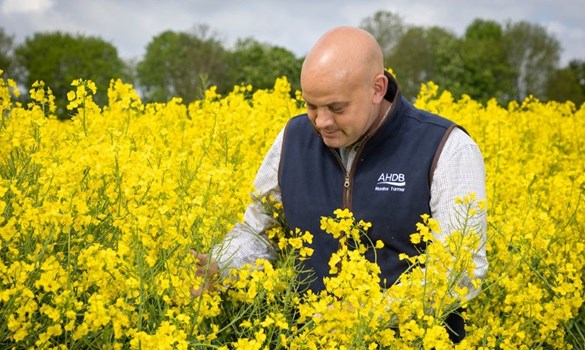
{"x":343,"y":85}
{"x":344,"y":53}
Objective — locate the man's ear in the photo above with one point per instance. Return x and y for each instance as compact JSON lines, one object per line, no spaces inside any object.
{"x":380,"y":87}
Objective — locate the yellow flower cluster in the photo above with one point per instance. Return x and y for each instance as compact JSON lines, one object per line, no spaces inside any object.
{"x":535,"y":180}
{"x":98,"y":215}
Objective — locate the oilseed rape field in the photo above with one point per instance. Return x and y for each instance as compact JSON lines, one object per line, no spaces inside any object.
{"x":99,"y":215}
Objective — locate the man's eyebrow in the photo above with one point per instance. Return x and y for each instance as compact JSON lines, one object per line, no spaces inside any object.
{"x":337,"y":105}
{"x":332,"y":105}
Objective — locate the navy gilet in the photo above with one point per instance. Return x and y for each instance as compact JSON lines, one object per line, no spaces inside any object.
{"x":389,"y":184}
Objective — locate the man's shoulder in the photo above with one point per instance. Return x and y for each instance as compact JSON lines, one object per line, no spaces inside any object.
{"x":424,"y":117}
{"x":431,"y":119}
{"x":299,"y":119}
{"x":460,"y":138}
{"x":297,"y":123}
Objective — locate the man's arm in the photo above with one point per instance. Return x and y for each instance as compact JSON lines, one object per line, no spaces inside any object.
{"x":460,"y":171}
{"x":246,"y":242}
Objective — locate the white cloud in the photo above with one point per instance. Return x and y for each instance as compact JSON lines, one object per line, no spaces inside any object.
{"x":25,"y":6}
{"x":563,"y":31}
{"x":573,"y":40}
{"x":131,"y":24}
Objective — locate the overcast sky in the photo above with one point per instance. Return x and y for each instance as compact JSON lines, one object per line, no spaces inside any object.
{"x":294,"y":24}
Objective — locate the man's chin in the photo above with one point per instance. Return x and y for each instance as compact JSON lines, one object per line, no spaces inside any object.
{"x":334,"y":142}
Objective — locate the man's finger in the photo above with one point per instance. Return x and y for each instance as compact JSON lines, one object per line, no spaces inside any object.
{"x":201,"y":258}
{"x":197,"y":292}
{"x":205,"y":264}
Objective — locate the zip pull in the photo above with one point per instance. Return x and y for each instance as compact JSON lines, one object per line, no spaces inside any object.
{"x":346,"y":183}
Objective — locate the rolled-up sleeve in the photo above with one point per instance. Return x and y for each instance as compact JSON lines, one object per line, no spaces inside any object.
{"x":246,"y":242}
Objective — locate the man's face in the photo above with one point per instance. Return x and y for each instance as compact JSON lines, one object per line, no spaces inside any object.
{"x":341,"y":109}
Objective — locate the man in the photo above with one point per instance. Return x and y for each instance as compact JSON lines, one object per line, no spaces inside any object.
{"x":360,"y":146}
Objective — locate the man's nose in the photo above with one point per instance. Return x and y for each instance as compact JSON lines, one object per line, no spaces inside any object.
{"x":323,"y":119}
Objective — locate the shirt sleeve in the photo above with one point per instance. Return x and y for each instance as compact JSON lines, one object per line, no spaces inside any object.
{"x":246,"y":242}
{"x":460,"y":171}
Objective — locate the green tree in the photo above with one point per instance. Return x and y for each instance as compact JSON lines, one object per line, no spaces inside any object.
{"x":388,"y":28}
{"x":568,"y":84}
{"x":479,"y":68}
{"x":180,"y":64}
{"x":59,"y":58}
{"x":260,"y":64}
{"x":6,"y":48}
{"x":533,"y":55}
{"x":417,"y":56}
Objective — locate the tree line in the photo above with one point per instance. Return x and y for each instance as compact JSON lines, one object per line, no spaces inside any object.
{"x":507,"y":61}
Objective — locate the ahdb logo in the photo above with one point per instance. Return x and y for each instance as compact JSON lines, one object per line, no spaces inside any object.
{"x":391,"y":182}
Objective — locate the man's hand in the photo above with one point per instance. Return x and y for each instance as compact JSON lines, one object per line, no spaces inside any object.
{"x":207,"y":268}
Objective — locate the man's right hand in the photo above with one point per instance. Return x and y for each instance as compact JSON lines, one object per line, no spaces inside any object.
{"x":206,"y":267}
